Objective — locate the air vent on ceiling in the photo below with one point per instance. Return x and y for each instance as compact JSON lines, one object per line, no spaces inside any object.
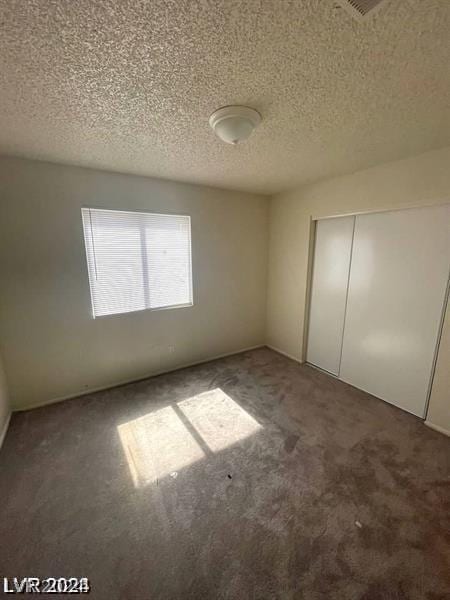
{"x":361,"y":9}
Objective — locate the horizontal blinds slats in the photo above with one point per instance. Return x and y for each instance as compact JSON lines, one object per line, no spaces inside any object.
{"x":137,"y":260}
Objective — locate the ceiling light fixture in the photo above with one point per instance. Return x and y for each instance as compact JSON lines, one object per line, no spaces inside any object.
{"x":233,"y":124}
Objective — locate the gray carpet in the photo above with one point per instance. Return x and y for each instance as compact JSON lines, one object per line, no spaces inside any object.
{"x":250,"y":477}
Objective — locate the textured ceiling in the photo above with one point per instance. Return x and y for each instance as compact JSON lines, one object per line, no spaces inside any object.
{"x":128,"y":85}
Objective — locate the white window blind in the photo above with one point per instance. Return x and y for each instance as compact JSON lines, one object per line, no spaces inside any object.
{"x":137,"y":260}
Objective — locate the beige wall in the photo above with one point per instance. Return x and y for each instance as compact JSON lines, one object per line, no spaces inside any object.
{"x":51,"y":345}
{"x":4,"y":403}
{"x":416,"y":181}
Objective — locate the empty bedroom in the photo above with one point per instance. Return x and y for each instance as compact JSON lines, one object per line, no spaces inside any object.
{"x":224,"y":281}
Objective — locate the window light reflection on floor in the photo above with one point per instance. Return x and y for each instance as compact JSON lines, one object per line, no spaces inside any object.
{"x":181,"y":434}
{"x":218,"y":419}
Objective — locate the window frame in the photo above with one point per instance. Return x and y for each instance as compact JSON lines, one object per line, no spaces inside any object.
{"x":146,"y":212}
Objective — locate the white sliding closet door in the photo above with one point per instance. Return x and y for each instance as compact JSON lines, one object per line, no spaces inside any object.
{"x":329,"y":292}
{"x":398,"y":278}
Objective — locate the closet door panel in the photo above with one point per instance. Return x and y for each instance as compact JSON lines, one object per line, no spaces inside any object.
{"x":398,"y":279}
{"x":329,"y":292}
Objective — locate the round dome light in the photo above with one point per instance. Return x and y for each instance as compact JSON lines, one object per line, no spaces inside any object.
{"x":233,"y":124}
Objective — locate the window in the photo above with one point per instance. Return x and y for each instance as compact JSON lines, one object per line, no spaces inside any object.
{"x":137,"y":260}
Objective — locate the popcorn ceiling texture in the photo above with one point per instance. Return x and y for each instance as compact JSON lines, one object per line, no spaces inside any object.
{"x":129,"y":86}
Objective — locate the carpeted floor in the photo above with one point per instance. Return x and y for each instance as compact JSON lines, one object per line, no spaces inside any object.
{"x":250,"y":477}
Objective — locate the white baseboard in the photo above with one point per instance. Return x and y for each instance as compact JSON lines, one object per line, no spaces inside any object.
{"x":4,"y":429}
{"x":284,"y":353}
{"x":438,"y":428}
{"x":133,"y":380}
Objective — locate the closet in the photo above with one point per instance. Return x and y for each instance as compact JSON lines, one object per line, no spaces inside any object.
{"x":377,"y":297}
